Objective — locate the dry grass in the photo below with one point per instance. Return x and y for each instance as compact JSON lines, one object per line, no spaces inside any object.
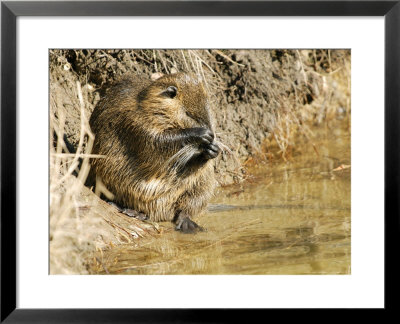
{"x":80,"y":222}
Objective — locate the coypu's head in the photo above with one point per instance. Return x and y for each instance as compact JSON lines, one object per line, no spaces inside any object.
{"x":176,"y":101}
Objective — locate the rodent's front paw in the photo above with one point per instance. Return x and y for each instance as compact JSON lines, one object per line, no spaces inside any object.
{"x":204,"y":138}
{"x":211,"y":151}
{"x":200,"y":135}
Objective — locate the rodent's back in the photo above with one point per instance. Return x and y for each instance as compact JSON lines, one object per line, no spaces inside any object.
{"x":121,"y":96}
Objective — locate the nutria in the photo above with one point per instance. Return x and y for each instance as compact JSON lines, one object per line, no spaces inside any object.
{"x":158,"y":141}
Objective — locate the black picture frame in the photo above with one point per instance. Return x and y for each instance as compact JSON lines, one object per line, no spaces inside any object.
{"x":11,"y":10}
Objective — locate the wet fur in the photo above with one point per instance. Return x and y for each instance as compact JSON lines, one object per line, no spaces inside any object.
{"x":149,"y":166}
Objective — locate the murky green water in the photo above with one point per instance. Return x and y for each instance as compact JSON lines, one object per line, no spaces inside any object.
{"x":291,"y":218}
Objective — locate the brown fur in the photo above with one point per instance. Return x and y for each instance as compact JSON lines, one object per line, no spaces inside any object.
{"x":147,"y":167}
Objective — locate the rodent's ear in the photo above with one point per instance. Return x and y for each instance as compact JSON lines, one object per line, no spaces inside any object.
{"x":156,"y":76}
{"x":171,"y":92}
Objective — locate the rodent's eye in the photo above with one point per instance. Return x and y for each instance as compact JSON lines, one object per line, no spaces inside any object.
{"x":171,"y":91}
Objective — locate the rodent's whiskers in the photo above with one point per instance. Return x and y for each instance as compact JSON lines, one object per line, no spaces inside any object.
{"x":180,"y":158}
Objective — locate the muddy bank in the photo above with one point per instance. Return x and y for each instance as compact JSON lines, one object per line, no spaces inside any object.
{"x":258,"y":97}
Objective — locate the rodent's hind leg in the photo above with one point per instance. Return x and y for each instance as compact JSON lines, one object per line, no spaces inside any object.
{"x":185,"y":224}
{"x":130,"y":212}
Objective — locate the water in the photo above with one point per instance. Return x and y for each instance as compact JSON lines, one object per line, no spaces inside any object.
{"x":290,"y":218}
